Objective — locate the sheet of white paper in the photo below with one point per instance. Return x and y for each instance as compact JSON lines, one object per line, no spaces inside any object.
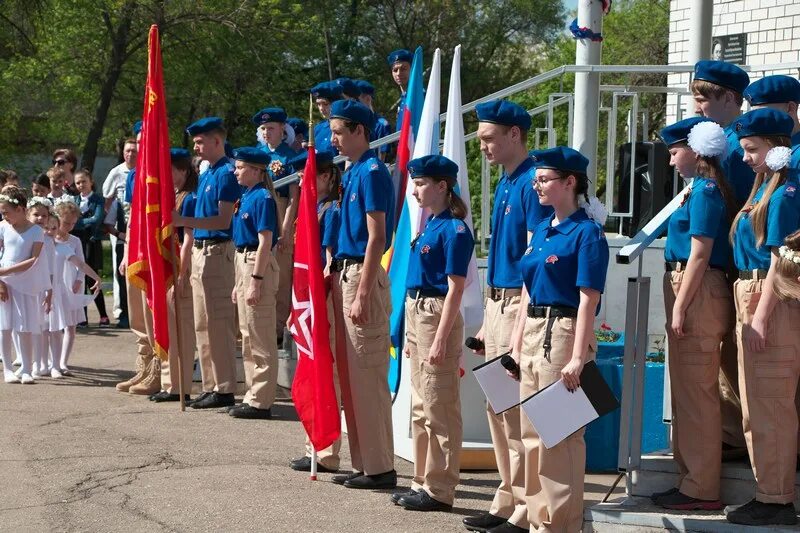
{"x":501,"y":390}
{"x":557,"y":413}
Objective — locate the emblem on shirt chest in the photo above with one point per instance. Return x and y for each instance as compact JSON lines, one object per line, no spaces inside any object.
{"x":208,"y":188}
{"x":551,"y":259}
{"x":245,"y":215}
{"x":508,"y":209}
{"x":353,"y":197}
{"x":528,"y":250}
{"x":789,"y":191}
{"x":460,"y":228}
{"x":425,"y":249}
{"x":276,"y":167}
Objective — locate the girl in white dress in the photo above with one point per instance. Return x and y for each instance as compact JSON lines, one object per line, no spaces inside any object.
{"x":39,"y":213}
{"x":20,"y":313}
{"x":69,"y":259}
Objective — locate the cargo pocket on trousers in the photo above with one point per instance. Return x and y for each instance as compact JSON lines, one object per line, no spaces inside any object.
{"x":440,"y":387}
{"x":773,"y":381}
{"x":695,"y":359}
{"x":372,"y":345}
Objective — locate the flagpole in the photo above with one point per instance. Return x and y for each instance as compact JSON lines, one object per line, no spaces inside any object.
{"x":174,"y":261}
{"x":313,"y":475}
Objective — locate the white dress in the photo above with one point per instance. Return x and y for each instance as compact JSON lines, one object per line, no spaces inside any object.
{"x":22,"y":311}
{"x":61,"y":312}
{"x":73,"y":303}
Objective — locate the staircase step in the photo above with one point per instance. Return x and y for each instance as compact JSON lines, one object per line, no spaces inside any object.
{"x":659,"y":472}
{"x":635,"y":514}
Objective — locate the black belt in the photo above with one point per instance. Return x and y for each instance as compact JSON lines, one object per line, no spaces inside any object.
{"x":556,"y":311}
{"x":199,"y":243}
{"x":671,"y":266}
{"x":424,"y":293}
{"x":245,"y":249}
{"x":498,"y":293}
{"x":753,"y":274}
{"x":337,"y":264}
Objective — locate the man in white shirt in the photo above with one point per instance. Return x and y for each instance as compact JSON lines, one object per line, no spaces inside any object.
{"x":114,"y":189}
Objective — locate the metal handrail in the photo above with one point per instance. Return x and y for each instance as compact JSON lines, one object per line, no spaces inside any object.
{"x":549,"y":75}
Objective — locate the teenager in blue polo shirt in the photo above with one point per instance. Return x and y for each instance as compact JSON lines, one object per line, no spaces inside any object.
{"x":212,"y":264}
{"x":365,"y":234}
{"x":184,"y":178}
{"x":564,"y":268}
{"x":777,"y":92}
{"x":699,"y":308}
{"x":382,"y":126}
{"x":325,"y":94}
{"x":766,"y":327}
{"x":329,"y":178}
{"x":400,"y":64}
{"x":300,"y":128}
{"x":717,"y":89}
{"x":437,"y":273}
{"x":503,"y":131}
{"x":271,"y":121}
{"x":255,"y":233}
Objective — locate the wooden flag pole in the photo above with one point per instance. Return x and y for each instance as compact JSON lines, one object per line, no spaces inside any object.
{"x":174,"y":260}
{"x":310,"y":148}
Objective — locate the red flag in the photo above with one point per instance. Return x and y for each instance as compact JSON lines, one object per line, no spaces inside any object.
{"x":151,"y":238}
{"x":312,"y":390}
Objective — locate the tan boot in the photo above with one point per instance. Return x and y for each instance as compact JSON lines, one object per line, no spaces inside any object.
{"x":151,"y":383}
{"x":141,"y":366}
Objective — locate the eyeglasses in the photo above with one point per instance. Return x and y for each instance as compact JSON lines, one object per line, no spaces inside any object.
{"x":542,"y":181}
{"x":59,"y":162}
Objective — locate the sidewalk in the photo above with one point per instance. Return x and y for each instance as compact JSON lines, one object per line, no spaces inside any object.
{"x":76,"y":455}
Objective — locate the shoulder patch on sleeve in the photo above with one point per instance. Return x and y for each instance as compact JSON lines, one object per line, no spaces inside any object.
{"x":790,"y":190}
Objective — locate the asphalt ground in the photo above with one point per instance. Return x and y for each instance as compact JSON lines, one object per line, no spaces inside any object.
{"x":76,"y":455}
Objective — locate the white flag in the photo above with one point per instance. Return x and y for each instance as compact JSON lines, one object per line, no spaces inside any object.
{"x":454,"y":149}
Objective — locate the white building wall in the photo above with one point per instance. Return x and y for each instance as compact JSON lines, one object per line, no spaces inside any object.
{"x":773,"y":37}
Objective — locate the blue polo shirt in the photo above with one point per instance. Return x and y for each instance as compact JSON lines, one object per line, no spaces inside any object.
{"x":382,"y":129}
{"x":322,"y":137}
{"x":443,"y":248}
{"x":329,"y":223}
{"x":130,"y":180}
{"x":703,"y":214}
{"x":367,"y":186}
{"x":783,"y":218}
{"x":217,"y":184}
{"x":187,"y":210}
{"x":516,"y":211}
{"x":739,"y":174}
{"x":256,"y":212}
{"x":561,"y":259}
{"x":277,"y":167}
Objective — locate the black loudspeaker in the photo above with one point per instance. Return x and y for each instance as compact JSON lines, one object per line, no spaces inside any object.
{"x":652,"y":183}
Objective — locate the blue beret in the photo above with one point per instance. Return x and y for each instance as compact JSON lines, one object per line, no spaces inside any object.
{"x":723,"y":74}
{"x":763,"y":122}
{"x":437,"y":166}
{"x":561,"y":158}
{"x":299,"y":126}
{"x":137,"y":127}
{"x":778,"y":89}
{"x":400,"y":55}
{"x":353,"y":111}
{"x":298,"y":162}
{"x":179,"y":153}
{"x":330,"y":90}
{"x":365,"y":87}
{"x":349,"y":87}
{"x":679,"y":132}
{"x":252,"y":155}
{"x":504,"y":112}
{"x":205,"y":125}
{"x":269,"y":114}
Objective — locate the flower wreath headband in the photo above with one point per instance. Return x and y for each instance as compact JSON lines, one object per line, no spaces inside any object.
{"x":7,"y":199}
{"x":40,"y":200}
{"x":65,"y":200}
{"x":789,"y":254}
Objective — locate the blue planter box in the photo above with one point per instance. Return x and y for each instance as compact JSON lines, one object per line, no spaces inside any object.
{"x":602,"y":435}
{"x":607,"y":350}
